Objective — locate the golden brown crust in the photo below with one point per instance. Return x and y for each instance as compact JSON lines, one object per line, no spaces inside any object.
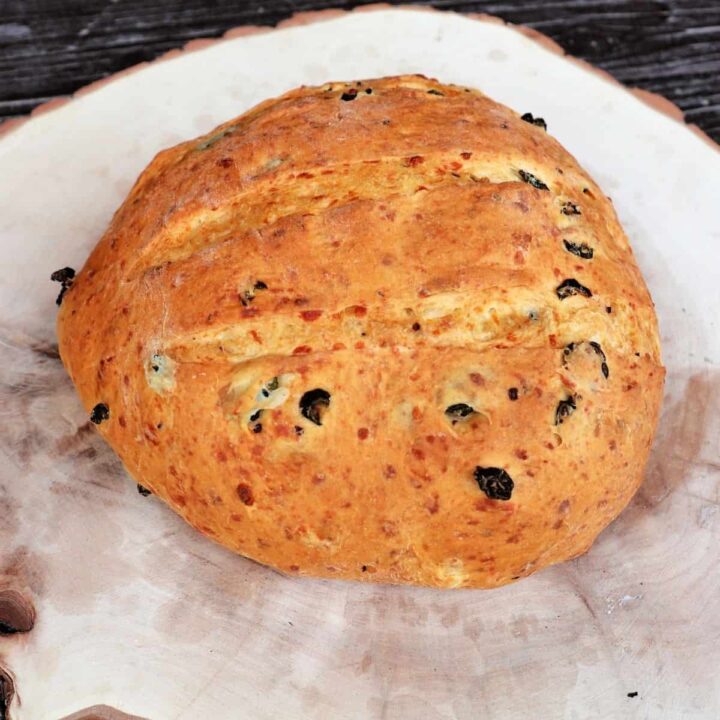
{"x":399,"y":251}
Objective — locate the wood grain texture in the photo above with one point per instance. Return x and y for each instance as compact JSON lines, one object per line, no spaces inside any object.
{"x":50,"y":48}
{"x":137,"y":610}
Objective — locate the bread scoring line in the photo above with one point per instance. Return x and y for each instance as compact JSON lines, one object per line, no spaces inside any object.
{"x":233,"y":343}
{"x":316,"y":198}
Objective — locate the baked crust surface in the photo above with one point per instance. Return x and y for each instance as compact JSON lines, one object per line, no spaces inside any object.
{"x":384,"y":330}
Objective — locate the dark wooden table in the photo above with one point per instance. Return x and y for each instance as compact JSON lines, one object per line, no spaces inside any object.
{"x":50,"y":48}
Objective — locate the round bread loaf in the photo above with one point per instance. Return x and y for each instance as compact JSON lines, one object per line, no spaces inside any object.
{"x":385,"y":330}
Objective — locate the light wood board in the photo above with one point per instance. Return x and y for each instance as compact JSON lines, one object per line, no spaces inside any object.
{"x":137,"y":611}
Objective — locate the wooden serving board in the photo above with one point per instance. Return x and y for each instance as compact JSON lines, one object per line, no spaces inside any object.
{"x":136,"y":611}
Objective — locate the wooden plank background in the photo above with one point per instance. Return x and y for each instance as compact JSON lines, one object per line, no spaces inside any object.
{"x":50,"y":48}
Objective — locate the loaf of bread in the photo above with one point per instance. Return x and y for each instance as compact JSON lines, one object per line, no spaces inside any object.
{"x":385,"y":330}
